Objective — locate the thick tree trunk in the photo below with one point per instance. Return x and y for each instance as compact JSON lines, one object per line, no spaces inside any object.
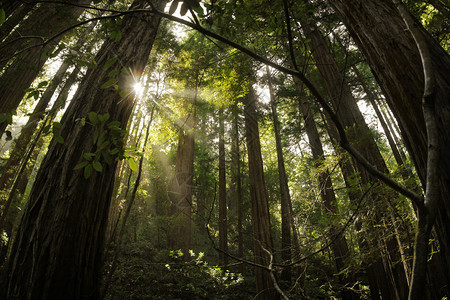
{"x":25,"y":136}
{"x":9,"y":6}
{"x":223,"y":234}
{"x":382,"y":36}
{"x":339,"y":245}
{"x":182,"y":183}
{"x":262,"y":234}
{"x":130,"y":204}
{"x":360,"y":137}
{"x":13,"y":20}
{"x":27,"y":64}
{"x":374,"y":269}
{"x":61,"y":234}
{"x":371,"y":97}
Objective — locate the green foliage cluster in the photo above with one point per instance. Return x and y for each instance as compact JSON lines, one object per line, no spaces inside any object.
{"x":109,"y":141}
{"x":144,"y":273}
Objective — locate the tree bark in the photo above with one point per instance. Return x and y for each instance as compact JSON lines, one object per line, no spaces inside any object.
{"x":238,"y":184}
{"x":223,"y":233}
{"x":382,"y":36}
{"x":360,"y":137}
{"x":285,"y":198}
{"x":27,"y":131}
{"x":9,"y":6}
{"x":14,"y":19}
{"x":27,"y":64}
{"x":182,"y":183}
{"x":61,"y":234}
{"x":262,"y":234}
{"x":117,"y":250}
{"x":339,"y":246}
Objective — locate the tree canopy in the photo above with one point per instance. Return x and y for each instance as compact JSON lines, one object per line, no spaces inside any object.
{"x":186,"y":149}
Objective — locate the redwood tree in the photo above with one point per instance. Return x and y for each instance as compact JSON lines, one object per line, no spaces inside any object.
{"x":403,"y":69}
{"x":262,"y":236}
{"x":42,"y":30}
{"x":58,"y":250}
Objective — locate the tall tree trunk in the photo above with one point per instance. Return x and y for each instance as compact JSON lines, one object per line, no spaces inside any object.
{"x":285,"y":197}
{"x":359,"y":135}
{"x":371,"y":97}
{"x":28,"y":62}
{"x":374,"y":269}
{"x":30,"y":127}
{"x":339,"y":244}
{"x":238,"y":184}
{"x":223,"y":232}
{"x":182,"y":183}
{"x":381,"y":34}
{"x":130,"y":203}
{"x":61,"y":234}
{"x":9,"y":6}
{"x":13,"y":20}
{"x":262,"y":233}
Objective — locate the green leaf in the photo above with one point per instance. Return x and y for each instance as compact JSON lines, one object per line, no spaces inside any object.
{"x":88,"y":156}
{"x":110,"y":62}
{"x":114,"y":124}
{"x":97,"y":166}
{"x":87,"y":171}
{"x":125,"y":71}
{"x":46,"y":129}
{"x":107,"y":157}
{"x":133,"y":164}
{"x":113,"y":73}
{"x":2,"y":16}
{"x":9,"y":118}
{"x":118,"y":36}
{"x":106,"y":117}
{"x":81,"y":165}
{"x":93,"y":118}
{"x":83,"y":121}
{"x":59,"y":139}
{"x":123,"y":94}
{"x":109,"y":83}
{"x":95,"y":135}
{"x":104,"y":144}
{"x":43,"y":83}
{"x":101,"y":138}
{"x":57,"y":125}
{"x":90,"y":65}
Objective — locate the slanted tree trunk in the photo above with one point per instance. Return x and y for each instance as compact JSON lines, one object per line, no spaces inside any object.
{"x":30,"y":127}
{"x":61,"y":234}
{"x":223,"y":233}
{"x":371,"y":97}
{"x":130,"y":204}
{"x":13,"y":20}
{"x":9,"y":6}
{"x":360,"y":137}
{"x":339,"y":244}
{"x":381,"y":34}
{"x":45,"y":21}
{"x":262,"y":233}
